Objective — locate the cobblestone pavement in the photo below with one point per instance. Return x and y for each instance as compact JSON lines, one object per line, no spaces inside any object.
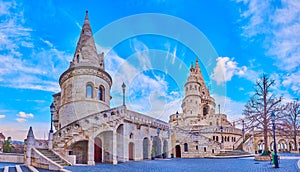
{"x":190,"y":165}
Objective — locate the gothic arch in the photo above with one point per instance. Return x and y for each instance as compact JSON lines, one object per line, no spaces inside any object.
{"x":101,"y":93}
{"x":89,"y":90}
{"x":145,"y":148}
{"x":80,"y":150}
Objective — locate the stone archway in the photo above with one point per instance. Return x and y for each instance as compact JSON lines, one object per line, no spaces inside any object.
{"x":107,"y":146}
{"x":282,"y":145}
{"x":291,"y":146}
{"x":146,"y":148}
{"x":260,"y":146}
{"x":177,"y":151}
{"x":156,"y":147}
{"x":131,"y":151}
{"x":120,"y":143}
{"x":271,"y":146}
{"x":80,"y":150}
{"x":97,"y":150}
{"x":165,"y":149}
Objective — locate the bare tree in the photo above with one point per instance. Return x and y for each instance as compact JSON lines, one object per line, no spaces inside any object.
{"x":258,"y":109}
{"x":291,"y":120}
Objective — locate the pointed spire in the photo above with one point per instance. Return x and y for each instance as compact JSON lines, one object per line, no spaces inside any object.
{"x":197,"y":65}
{"x":30,"y":133}
{"x":86,"y":52}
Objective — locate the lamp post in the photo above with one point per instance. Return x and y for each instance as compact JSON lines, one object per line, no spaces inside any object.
{"x":51,"y":111}
{"x":243,"y":131}
{"x":123,"y":87}
{"x":275,"y":150}
{"x":177,"y":117}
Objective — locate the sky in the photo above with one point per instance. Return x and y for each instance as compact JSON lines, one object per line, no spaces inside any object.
{"x":148,"y":45}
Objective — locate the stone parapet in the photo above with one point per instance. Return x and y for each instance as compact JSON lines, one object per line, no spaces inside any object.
{"x":12,"y":157}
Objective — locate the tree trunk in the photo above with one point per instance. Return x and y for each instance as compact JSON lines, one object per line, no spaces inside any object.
{"x":266,"y":139}
{"x":295,"y":141}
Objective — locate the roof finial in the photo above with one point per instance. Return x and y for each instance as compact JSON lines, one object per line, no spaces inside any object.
{"x":86,"y":15}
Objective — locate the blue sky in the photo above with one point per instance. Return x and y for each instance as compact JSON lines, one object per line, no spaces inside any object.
{"x":235,"y":41}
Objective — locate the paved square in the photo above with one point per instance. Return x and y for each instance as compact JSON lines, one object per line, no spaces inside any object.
{"x":188,"y":165}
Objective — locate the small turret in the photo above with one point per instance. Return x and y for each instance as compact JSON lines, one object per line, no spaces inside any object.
{"x":29,"y":144}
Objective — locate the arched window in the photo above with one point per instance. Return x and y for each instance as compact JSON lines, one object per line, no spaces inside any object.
{"x":204,"y":149}
{"x":89,"y":91}
{"x":204,"y":110}
{"x":217,"y":138}
{"x":131,"y":136}
{"x":77,"y":58}
{"x":186,"y":149}
{"x":101,"y":93}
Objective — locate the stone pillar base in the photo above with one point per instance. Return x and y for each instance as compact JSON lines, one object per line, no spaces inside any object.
{"x":91,"y":162}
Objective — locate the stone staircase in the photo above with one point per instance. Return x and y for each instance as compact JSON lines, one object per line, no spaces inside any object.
{"x":49,"y":154}
{"x":240,"y":146}
{"x":233,"y":153}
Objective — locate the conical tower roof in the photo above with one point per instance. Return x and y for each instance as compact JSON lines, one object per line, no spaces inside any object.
{"x":30,"y":133}
{"x":86,"y":52}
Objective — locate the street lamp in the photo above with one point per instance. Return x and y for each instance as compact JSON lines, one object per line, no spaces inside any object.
{"x":275,"y":150}
{"x":177,"y":117}
{"x":51,"y":111}
{"x":243,"y":131}
{"x":123,"y":87}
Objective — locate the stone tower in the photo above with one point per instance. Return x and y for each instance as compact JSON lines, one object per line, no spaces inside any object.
{"x":85,"y":86}
{"x":197,"y":103}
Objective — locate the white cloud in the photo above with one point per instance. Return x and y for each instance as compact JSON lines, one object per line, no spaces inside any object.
{"x":22,"y":63}
{"x":277,"y":24}
{"x":225,"y":69}
{"x":21,"y":120}
{"x":2,"y":116}
{"x":18,"y":130}
{"x":233,"y":109}
{"x":25,"y":115}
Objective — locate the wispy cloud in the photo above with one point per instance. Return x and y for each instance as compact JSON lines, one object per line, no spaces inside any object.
{"x":22,"y":63}
{"x":233,"y":109}
{"x":225,"y":69}
{"x":277,"y":24}
{"x":25,"y":115}
{"x":2,"y":116}
{"x":21,"y":120}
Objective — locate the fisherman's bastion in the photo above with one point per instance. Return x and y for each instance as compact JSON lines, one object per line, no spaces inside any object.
{"x":88,"y":130}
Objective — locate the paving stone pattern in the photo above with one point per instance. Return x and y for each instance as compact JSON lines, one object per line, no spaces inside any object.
{"x":190,"y":165}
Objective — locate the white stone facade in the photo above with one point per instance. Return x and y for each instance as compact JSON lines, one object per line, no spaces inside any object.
{"x":88,"y":130}
{"x":199,"y":131}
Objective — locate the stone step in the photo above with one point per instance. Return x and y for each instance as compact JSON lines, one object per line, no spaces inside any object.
{"x":53,"y":157}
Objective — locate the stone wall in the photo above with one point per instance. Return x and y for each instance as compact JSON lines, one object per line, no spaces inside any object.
{"x":12,"y":157}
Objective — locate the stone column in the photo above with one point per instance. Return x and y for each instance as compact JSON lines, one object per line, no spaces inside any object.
{"x":114,"y":147}
{"x":50,"y":141}
{"x":91,"y":147}
{"x":125,"y":142}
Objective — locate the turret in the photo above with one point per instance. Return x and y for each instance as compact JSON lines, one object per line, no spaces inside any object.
{"x":29,"y":145}
{"x":197,"y":101}
{"x":85,"y":86}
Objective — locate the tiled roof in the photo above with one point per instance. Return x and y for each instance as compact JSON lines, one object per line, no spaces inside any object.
{"x":2,"y":136}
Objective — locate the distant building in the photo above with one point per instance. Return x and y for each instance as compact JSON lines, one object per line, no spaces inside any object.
{"x":2,"y":140}
{"x":199,"y":131}
{"x":17,"y":147}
